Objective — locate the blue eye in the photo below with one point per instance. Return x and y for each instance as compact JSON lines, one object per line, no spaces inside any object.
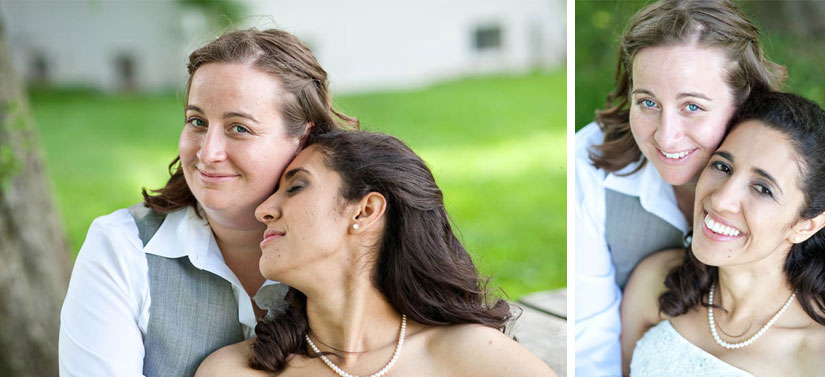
{"x":648,"y":103}
{"x":237,"y":128}
{"x":197,"y":122}
{"x":693,"y":107}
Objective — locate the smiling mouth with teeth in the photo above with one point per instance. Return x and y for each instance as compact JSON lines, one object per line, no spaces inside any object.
{"x":675,"y":156}
{"x":719,"y":228}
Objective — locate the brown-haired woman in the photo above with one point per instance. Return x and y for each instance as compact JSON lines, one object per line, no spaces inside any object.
{"x":379,"y":281}
{"x":158,"y":287}
{"x":683,"y":68}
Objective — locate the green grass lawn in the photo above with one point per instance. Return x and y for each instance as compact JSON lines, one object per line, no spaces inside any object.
{"x":496,"y":146}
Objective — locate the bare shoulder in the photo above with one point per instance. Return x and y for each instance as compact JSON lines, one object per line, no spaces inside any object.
{"x":640,"y":300}
{"x":811,"y":349}
{"x":476,"y":350}
{"x":232,"y":360}
{"x":647,"y":282}
{"x":648,"y":278}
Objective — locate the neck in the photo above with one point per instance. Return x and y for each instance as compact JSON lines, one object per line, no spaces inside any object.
{"x":685,"y":196}
{"x":753,"y":292}
{"x":239,"y":242}
{"x":236,"y":233}
{"x":352,"y":317}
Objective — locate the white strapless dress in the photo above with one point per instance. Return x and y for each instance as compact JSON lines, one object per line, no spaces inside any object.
{"x":663,"y":352}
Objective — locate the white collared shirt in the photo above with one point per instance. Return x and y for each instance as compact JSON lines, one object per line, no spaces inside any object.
{"x":598,"y":322}
{"x":106,"y":311}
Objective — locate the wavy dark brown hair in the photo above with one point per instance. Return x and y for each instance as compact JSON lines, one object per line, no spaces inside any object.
{"x":803,"y":124}
{"x":708,"y":23}
{"x":305,"y":99}
{"x":422,"y":269}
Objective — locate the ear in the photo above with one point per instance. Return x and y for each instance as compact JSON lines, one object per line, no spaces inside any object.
{"x":305,"y":136}
{"x":368,"y":212}
{"x":806,"y":228}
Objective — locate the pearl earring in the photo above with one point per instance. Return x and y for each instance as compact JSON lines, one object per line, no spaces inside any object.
{"x":354,"y":226}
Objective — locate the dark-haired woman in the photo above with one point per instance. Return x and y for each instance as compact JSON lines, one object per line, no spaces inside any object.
{"x":683,"y":68}
{"x":748,"y":297}
{"x":379,"y":281}
{"x":158,"y":287}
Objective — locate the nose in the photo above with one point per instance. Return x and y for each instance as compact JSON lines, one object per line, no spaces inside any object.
{"x":213,"y":146}
{"x":727,"y":197}
{"x":670,"y":130}
{"x":269,"y":210}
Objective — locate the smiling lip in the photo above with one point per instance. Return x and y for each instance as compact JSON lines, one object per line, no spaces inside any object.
{"x":676,"y":158}
{"x":214,"y":178}
{"x":270,"y":235}
{"x":723,"y":230}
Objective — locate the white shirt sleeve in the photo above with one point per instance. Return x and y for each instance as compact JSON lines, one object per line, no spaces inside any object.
{"x":598,"y":322}
{"x":102,"y":323}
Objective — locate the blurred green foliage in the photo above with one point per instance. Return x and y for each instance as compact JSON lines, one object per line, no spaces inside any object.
{"x":496,"y":145}
{"x":788,"y":37}
{"x":231,"y":10}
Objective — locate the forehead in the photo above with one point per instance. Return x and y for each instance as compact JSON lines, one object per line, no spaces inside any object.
{"x":754,"y":145}
{"x":234,"y":85}
{"x":669,"y":70}
{"x":312,"y":160}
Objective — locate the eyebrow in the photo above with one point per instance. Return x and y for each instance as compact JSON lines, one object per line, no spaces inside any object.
{"x":758,"y":171}
{"x":225,"y":115}
{"x":292,"y":172}
{"x":678,"y":96}
{"x":693,"y":94}
{"x":642,"y":91}
{"x":724,"y":155}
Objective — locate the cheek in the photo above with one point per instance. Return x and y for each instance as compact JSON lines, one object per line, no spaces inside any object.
{"x":710,"y":133}
{"x":266,"y":161}
{"x":641,"y":126}
{"x":187,"y":146}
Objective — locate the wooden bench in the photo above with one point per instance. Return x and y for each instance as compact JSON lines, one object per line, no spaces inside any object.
{"x":542,"y":327}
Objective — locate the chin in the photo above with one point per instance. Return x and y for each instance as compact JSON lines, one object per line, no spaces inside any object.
{"x":677,"y":176}
{"x":708,"y":255}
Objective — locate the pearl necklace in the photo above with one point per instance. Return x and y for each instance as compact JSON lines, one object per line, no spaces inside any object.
{"x":750,"y":340}
{"x":381,"y":372}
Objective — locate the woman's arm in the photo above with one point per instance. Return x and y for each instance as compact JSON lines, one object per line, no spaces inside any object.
{"x":640,"y":306}
{"x":100,"y":333}
{"x":597,"y":321}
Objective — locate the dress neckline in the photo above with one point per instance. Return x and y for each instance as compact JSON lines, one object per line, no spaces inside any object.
{"x":669,"y":327}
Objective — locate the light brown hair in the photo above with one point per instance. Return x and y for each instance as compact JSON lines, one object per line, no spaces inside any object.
{"x":716,"y":24}
{"x":306,"y":98}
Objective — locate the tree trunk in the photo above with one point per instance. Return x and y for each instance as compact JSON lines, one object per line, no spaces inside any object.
{"x":34,"y":264}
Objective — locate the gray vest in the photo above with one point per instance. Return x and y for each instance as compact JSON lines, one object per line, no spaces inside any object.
{"x":633,"y":233}
{"x":193,"y":312}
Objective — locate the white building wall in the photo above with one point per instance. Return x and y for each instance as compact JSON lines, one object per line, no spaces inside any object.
{"x":375,"y":44}
{"x":81,"y":40}
{"x":363,"y":44}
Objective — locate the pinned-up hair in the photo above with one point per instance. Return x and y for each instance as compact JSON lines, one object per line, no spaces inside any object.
{"x":718,"y":24}
{"x":306,"y":98}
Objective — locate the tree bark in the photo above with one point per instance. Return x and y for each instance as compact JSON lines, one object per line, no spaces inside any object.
{"x":34,"y":264}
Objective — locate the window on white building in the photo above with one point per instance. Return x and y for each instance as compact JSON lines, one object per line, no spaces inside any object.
{"x":487,"y":38}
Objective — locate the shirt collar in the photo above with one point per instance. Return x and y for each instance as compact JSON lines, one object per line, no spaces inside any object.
{"x":184,"y":234}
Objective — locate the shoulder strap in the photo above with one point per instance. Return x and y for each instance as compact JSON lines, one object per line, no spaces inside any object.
{"x":148,"y":221}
